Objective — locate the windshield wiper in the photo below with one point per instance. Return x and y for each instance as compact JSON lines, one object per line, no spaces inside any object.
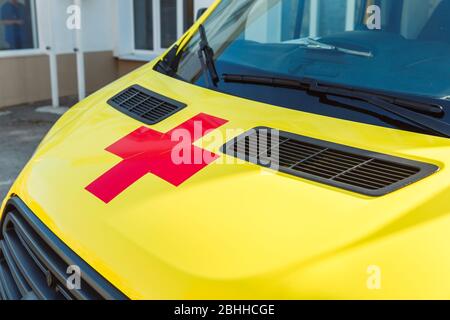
{"x":206,"y":56}
{"x":417,"y":112}
{"x":318,"y":45}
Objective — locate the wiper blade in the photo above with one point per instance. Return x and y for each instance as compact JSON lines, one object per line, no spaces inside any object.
{"x":432,"y":109}
{"x":316,"y":44}
{"x":410,"y":110}
{"x":206,"y":56}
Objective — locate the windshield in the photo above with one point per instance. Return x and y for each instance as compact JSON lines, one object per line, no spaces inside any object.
{"x":389,"y":45}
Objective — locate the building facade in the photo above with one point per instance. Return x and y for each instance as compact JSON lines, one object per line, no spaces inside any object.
{"x":116,"y":36}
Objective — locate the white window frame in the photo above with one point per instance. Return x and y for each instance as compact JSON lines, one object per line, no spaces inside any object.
{"x":38,"y":9}
{"x":157,"y":49}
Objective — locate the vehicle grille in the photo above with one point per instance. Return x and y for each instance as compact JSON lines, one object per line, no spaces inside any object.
{"x":34,"y":262}
{"x":357,"y":170}
{"x":145,"y":105}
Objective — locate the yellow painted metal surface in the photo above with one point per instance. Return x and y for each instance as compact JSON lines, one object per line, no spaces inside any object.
{"x":237,"y":231}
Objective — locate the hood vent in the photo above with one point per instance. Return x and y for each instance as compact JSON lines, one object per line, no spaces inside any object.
{"x":145,"y":105}
{"x":357,"y":170}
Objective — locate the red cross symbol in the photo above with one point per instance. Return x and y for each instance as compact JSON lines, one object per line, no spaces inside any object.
{"x":148,"y":151}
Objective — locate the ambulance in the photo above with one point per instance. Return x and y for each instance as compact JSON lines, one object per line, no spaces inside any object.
{"x":280,"y":149}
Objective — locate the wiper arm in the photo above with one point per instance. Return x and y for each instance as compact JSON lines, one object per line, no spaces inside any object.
{"x":409,"y":110}
{"x":206,"y":56}
{"x":169,"y":63}
{"x":316,"y":44}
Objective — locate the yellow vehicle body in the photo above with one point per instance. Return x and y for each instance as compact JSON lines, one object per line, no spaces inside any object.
{"x":239,"y":231}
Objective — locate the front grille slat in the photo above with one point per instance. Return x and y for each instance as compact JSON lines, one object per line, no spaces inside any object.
{"x":8,"y":290}
{"x":21,"y":284}
{"x":33,"y":262}
{"x":145,"y":105}
{"x":29,"y":270}
{"x":41,"y":253}
{"x":357,"y":170}
{"x":8,"y":286}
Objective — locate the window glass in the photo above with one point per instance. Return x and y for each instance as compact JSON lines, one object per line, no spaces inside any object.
{"x":389,"y":45}
{"x":168,"y":22}
{"x":143,"y":24}
{"x":188,"y":14}
{"x":18,"y":25}
{"x":401,"y":47}
{"x":331,"y":17}
{"x":166,"y":17}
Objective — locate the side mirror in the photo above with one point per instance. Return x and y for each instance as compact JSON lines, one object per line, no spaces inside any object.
{"x":200,"y":12}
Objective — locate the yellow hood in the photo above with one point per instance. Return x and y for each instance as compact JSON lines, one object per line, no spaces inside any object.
{"x":239,"y":230}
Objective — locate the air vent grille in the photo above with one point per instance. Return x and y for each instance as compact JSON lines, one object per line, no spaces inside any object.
{"x":352,"y":169}
{"x":144,"y":105}
{"x":34,"y":263}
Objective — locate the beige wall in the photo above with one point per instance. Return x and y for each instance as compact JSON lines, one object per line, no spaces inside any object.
{"x":24,"y":80}
{"x":27,"y":79}
{"x":126,"y":66}
{"x":101,"y":69}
